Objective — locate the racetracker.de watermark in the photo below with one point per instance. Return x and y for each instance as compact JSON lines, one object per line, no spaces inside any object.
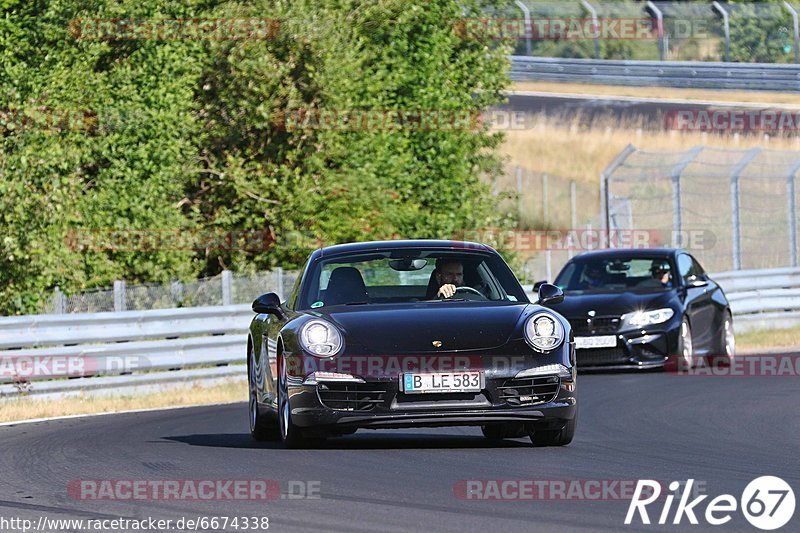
{"x":161,"y":240}
{"x":382,"y":120}
{"x":192,"y":489}
{"x":552,"y":29}
{"x":587,"y":239}
{"x":733,"y":120}
{"x":741,"y":366}
{"x":551,"y":489}
{"x":196,"y":29}
{"x":31,"y":367}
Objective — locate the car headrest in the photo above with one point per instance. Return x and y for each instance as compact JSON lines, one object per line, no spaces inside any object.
{"x":345,"y":286}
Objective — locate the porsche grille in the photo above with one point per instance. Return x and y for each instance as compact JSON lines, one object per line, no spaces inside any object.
{"x":351,"y":396}
{"x":529,"y":391}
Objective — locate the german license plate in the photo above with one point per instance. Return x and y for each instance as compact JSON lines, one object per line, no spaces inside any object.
{"x":601,"y":341}
{"x":442,"y":382}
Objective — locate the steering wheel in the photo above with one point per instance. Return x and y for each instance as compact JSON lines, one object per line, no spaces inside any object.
{"x":470,"y":290}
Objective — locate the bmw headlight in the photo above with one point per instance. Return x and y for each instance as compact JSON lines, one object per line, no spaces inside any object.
{"x":320,"y":338}
{"x":640,"y":319}
{"x":544,"y":332}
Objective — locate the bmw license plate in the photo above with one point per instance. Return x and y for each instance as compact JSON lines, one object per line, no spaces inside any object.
{"x":601,"y":341}
{"x":442,"y":382}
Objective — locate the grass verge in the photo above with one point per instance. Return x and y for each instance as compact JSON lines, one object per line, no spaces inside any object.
{"x":569,"y":148}
{"x":667,"y":93}
{"x":768,"y":340}
{"x":28,"y":407}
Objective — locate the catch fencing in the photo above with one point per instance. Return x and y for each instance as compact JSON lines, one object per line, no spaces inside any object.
{"x":733,"y":209}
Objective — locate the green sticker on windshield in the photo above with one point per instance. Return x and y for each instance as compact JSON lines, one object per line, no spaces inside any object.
{"x":316,"y":304}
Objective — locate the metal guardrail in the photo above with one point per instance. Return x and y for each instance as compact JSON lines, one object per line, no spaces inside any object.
{"x":128,"y":349}
{"x":680,"y":74}
{"x":759,"y":299}
{"x":132,"y":350}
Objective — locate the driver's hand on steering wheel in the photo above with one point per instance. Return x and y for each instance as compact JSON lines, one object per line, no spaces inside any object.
{"x":446,"y":291}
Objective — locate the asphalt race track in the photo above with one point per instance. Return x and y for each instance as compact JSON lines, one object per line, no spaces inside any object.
{"x":721,"y":431}
{"x":647,"y":114}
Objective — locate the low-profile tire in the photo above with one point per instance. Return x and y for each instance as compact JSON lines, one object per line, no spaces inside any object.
{"x":555,"y":437}
{"x":685,"y":356}
{"x":291,"y":435}
{"x":726,"y":344}
{"x":261,"y":428}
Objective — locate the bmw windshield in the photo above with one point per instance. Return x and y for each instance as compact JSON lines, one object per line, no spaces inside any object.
{"x":618,"y":274}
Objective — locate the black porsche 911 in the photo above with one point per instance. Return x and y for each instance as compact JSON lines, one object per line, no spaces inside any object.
{"x":644,"y":308}
{"x":410,"y":334}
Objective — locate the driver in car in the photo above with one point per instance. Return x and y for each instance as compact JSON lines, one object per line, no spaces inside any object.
{"x":449,"y":275}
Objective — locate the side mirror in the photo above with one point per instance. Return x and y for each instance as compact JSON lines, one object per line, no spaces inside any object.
{"x":268,"y":304}
{"x":538,"y":284}
{"x":550,"y":294}
{"x":696,"y":282}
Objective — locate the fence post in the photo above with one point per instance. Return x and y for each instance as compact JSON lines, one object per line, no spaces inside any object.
{"x":677,"y":206}
{"x":279,"y":283}
{"x":176,"y":291}
{"x":526,"y":12}
{"x":727,"y":26}
{"x":796,"y":26}
{"x":545,"y":209}
{"x":660,"y":22}
{"x":605,"y":178}
{"x":590,"y":8}
{"x":573,"y":205}
{"x":735,"y":206}
{"x":790,"y":186}
{"x":227,"y":279}
{"x":119,"y":296}
{"x":59,"y":301}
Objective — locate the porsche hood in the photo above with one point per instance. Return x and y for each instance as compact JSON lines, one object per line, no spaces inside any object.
{"x":408,"y":329}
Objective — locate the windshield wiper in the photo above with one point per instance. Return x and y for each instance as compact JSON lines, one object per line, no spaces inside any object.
{"x":356,"y":303}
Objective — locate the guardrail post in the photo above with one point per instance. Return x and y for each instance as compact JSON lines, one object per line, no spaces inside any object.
{"x":58,"y":296}
{"x":791,"y":190}
{"x":735,"y":206}
{"x":727,"y":26}
{"x":793,"y":11}
{"x":279,"y":283}
{"x":590,"y":8}
{"x":120,"y":303}
{"x":227,"y":285}
{"x":528,"y":27}
{"x":660,"y":21}
{"x":573,"y":206}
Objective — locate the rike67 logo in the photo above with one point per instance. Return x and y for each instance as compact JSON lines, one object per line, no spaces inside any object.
{"x":767,"y":503}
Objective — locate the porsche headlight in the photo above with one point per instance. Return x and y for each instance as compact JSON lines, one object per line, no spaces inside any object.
{"x":640,"y":319}
{"x":320,"y":338}
{"x":544,"y":332}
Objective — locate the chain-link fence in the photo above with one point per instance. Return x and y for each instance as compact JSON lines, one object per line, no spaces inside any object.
{"x":546,"y":205}
{"x":226,"y":288}
{"x":734,"y":209}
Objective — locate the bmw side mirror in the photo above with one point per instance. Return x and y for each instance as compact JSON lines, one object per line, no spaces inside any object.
{"x":550,"y":294}
{"x":538,"y":284}
{"x":268,"y":304}
{"x":696,"y":282}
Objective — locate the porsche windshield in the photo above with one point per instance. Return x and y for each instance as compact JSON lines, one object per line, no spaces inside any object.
{"x":408,"y":276}
{"x":617,"y":274}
